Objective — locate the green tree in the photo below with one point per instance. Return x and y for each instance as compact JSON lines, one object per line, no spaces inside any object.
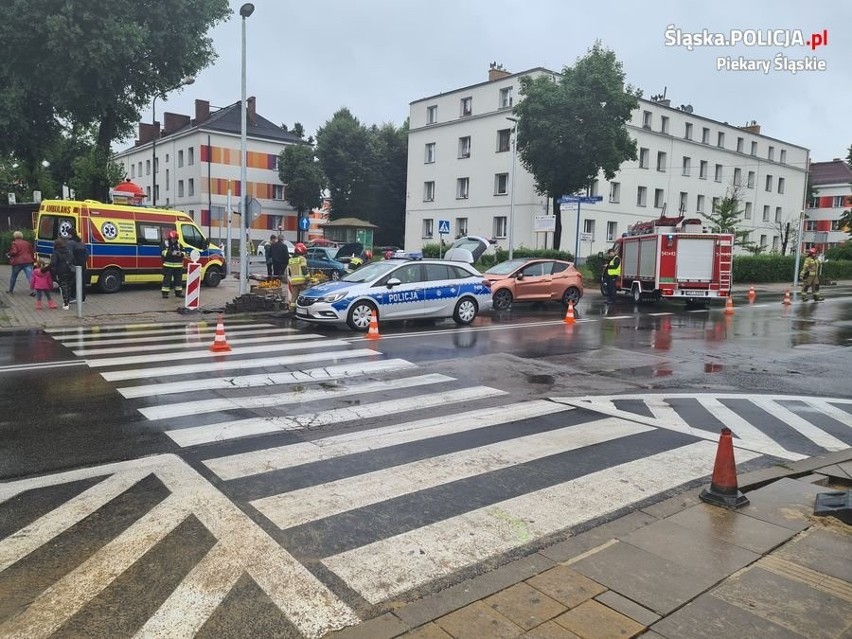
{"x":846,"y":221}
{"x":388,"y":174}
{"x":344,"y":152}
{"x":95,"y":63}
{"x":302,"y":176}
{"x":849,"y":156}
{"x":726,"y":217}
{"x":572,"y":127}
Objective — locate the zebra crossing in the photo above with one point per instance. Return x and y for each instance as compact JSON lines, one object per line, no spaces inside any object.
{"x":308,"y":455}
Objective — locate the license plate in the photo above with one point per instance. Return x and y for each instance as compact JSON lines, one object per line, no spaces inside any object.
{"x":701,"y":293}
{"x":301,"y":311}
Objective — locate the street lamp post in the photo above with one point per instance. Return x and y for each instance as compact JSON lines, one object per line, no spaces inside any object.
{"x":185,"y":81}
{"x":512,"y":202}
{"x":245,"y":11}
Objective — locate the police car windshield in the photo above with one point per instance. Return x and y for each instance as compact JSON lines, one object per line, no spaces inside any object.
{"x":370,"y":272}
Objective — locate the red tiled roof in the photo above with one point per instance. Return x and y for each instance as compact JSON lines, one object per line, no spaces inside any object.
{"x":834,"y":172}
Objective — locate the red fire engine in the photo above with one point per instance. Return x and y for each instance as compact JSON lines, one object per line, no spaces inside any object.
{"x":674,"y":257}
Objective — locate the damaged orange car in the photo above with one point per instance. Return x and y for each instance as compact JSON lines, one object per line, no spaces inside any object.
{"x":534,"y":280}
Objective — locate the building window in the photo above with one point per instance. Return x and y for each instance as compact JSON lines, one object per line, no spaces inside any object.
{"x":705,"y":135}
{"x":466,"y":106}
{"x":770,"y":155}
{"x":777,"y":213}
{"x":754,"y":148}
{"x":683,"y":200}
{"x":190,"y":156}
{"x":646,"y":119}
{"x":504,"y":138}
{"x":147,"y":167}
{"x":641,"y":196}
{"x":702,"y":170}
{"x":506,"y":98}
{"x":461,"y":226}
{"x":611,"y":231}
{"x":462,"y":188}
{"x":837,"y":201}
{"x":432,"y":114}
{"x":140,"y":168}
{"x":718,"y":174}
{"x":277,"y":191}
{"x":720,"y":140}
{"x":500,"y":226}
{"x":427,"y":229}
{"x":781,"y":185}
{"x":643,"y":158}
{"x":180,"y":158}
{"x":190,"y":187}
{"x":766,"y":213}
{"x":659,"y":198}
{"x":740,"y":143}
{"x":157,"y":192}
{"x":614,"y":192}
{"x":750,"y":183}
{"x":664,"y":124}
{"x":180,"y":188}
{"x":783,"y":156}
{"x":501,"y":183}
{"x":763,"y":241}
{"x":589,"y":227}
{"x":661,"y":161}
{"x":747,"y":214}
{"x":428,"y":191}
{"x":776,"y":242}
{"x":687,"y":165}
{"x":769,"y":183}
{"x":810,"y":225}
{"x":699,"y":204}
{"x":687,"y":130}
{"x":464,"y":147}
{"x":132,"y":171}
{"x":167,"y":179}
{"x":430,"y":153}
{"x":148,"y":192}
{"x":715,"y":205}
{"x":167,"y":158}
{"x":738,"y":177}
{"x":837,"y":225}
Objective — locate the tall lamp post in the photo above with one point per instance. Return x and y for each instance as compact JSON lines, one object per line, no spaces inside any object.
{"x":512,"y":202}
{"x":185,"y":81}
{"x":245,"y":11}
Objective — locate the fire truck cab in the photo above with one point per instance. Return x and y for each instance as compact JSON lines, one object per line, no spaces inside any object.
{"x":674,"y":257}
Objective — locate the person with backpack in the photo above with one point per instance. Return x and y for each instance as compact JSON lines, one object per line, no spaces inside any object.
{"x":63,"y":269}
{"x":81,"y":255}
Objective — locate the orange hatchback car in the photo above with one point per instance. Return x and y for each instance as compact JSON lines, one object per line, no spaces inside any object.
{"x":534,"y":280}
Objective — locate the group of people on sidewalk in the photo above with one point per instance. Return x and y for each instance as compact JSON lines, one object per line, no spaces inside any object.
{"x":291,"y":270}
{"x":42,"y":273}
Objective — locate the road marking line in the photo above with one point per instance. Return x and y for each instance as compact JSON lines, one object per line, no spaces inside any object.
{"x":164,"y":335}
{"x":618,"y":317}
{"x":239,"y":364}
{"x":814,"y":433}
{"x":268,"y":379}
{"x":257,"y":426}
{"x":155,"y":326}
{"x":389,"y":567}
{"x":199,"y":407}
{"x":16,"y":368}
{"x":138,"y":344}
{"x":825,"y":406}
{"x":309,"y":341}
{"x":662,"y":313}
{"x":262,"y":461}
{"x":324,"y":500}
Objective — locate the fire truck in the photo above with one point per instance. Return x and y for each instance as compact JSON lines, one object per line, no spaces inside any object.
{"x":674,"y":257}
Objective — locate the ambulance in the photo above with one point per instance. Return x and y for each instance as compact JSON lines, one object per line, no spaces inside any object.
{"x":124,"y":241}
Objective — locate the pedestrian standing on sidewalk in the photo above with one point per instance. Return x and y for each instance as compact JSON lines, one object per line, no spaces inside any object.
{"x":172,"y":266}
{"x":42,"y":284}
{"x":810,"y":276}
{"x":21,"y":258}
{"x":280,"y":257}
{"x":267,"y":254}
{"x":62,"y":268}
{"x":81,"y":255}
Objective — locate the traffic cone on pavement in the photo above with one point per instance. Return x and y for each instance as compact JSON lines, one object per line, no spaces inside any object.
{"x":220,"y":342}
{"x":729,"y":306}
{"x":373,"y":331}
{"x":723,"y":489}
{"x":787,"y":301}
{"x":751,"y":295}
{"x":569,"y":314}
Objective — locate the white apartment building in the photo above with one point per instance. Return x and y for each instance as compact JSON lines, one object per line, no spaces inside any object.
{"x":198,"y":160}
{"x":460,"y":162}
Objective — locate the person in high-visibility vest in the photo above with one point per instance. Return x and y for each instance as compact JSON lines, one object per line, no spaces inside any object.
{"x":172,"y":266}
{"x":297,"y":273}
{"x":810,"y":276}
{"x":611,"y":271}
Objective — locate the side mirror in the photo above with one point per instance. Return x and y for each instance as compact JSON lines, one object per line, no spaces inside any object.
{"x":519,"y":276}
{"x":394,"y":281}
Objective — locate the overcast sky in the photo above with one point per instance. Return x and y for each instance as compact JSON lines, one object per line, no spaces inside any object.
{"x":305,"y":60}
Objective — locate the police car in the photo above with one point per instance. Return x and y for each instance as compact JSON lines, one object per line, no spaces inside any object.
{"x":398,"y":290}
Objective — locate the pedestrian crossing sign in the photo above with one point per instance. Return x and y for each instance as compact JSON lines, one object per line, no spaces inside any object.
{"x":443,"y":227}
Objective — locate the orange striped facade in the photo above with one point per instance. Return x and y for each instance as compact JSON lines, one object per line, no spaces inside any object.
{"x":254,"y":160}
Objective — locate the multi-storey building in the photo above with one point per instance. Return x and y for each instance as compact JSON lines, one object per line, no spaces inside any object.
{"x":832,"y":183}
{"x":198,"y":161}
{"x":461,"y":162}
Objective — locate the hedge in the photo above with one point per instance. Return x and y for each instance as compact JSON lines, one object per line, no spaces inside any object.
{"x":780,"y":268}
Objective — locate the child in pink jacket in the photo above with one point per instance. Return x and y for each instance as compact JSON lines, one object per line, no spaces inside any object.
{"x":42,"y":284}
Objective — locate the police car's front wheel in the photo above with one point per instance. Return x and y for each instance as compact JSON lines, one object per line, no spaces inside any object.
{"x":359,"y":316}
{"x":465,"y":311}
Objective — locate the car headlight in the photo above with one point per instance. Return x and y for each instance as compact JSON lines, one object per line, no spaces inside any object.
{"x":334,"y":297}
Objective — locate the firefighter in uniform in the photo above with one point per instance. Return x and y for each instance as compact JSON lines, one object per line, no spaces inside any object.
{"x":172,"y":266}
{"x":297,"y":273}
{"x":611,"y":271}
{"x":810,"y":276}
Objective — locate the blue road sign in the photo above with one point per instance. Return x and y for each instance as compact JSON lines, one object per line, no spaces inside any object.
{"x":583,"y":199}
{"x":304,"y":223}
{"x":443,"y":227}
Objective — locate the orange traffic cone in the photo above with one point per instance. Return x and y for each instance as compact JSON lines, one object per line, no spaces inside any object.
{"x":787,"y":301}
{"x":751,"y":295}
{"x":220,"y":343}
{"x":723,"y":489}
{"x":729,"y":306}
{"x":569,"y":315}
{"x":373,"y":331}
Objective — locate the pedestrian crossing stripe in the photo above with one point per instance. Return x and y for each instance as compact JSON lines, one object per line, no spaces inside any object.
{"x":194,"y":341}
{"x":136,"y":329}
{"x":165,"y":334}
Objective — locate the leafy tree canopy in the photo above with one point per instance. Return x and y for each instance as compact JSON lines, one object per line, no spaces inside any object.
{"x":299,"y":170}
{"x":726,"y":217}
{"x":343,"y":148}
{"x":572,"y":127}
